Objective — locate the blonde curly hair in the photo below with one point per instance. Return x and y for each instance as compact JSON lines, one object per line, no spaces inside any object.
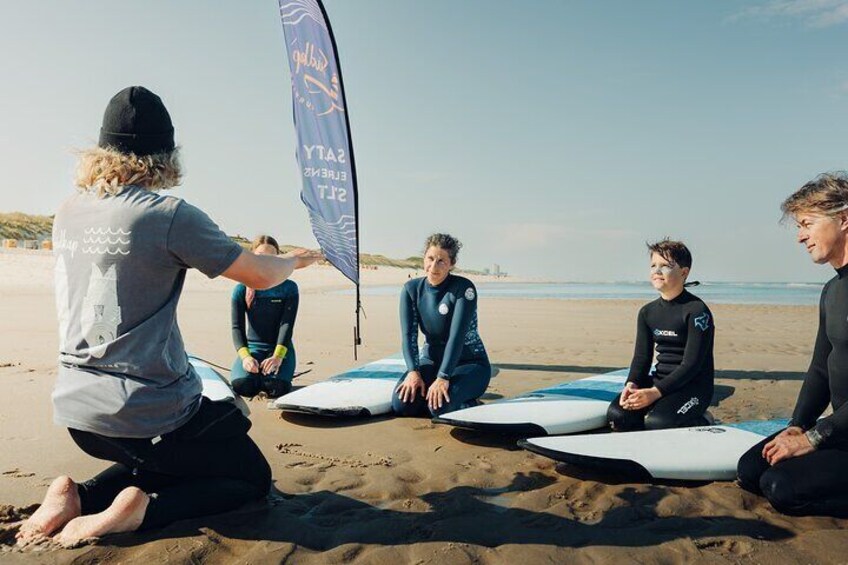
{"x":107,"y":170}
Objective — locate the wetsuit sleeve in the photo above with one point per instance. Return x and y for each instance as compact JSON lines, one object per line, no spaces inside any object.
{"x":237,"y":314}
{"x":643,"y":352}
{"x":700,"y":332}
{"x":815,"y":392}
{"x":463,"y":314}
{"x":409,"y":330}
{"x":287,"y":319}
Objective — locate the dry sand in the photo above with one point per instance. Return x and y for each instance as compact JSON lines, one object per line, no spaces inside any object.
{"x":390,"y":490}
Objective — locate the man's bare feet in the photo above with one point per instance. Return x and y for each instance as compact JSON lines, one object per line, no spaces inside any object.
{"x":124,"y":515}
{"x":61,"y":505}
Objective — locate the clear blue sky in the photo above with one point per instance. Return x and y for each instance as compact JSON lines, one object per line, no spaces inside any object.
{"x":551,"y":137}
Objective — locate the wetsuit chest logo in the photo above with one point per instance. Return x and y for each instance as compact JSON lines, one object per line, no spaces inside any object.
{"x":443,"y":309}
{"x":665,"y":333}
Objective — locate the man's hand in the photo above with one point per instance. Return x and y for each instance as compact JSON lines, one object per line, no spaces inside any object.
{"x":789,"y":443}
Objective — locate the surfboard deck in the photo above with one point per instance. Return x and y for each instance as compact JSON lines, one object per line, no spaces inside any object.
{"x":363,"y":391}
{"x":701,"y":453}
{"x":215,"y":387}
{"x":575,"y":406}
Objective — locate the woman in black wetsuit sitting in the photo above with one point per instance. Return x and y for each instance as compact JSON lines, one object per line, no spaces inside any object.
{"x":681,"y":327}
{"x":452,"y":369}
{"x":801,"y":470}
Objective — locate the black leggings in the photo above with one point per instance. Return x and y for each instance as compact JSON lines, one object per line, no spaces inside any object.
{"x":814,"y":484}
{"x":678,"y":409}
{"x":209,"y":465}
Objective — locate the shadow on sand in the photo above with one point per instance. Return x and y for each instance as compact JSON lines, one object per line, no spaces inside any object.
{"x":323,"y":520}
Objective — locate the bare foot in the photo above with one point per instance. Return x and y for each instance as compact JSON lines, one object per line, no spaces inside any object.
{"x":124,"y":515}
{"x":61,"y":505}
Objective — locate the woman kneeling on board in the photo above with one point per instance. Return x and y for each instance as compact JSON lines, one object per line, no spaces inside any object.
{"x":801,"y":470}
{"x":266,"y":357}
{"x":681,"y":327}
{"x":452,"y":370}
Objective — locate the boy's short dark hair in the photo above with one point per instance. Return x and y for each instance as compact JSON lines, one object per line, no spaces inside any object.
{"x":672,"y":251}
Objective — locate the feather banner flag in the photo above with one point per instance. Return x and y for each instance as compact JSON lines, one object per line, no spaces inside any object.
{"x":324,"y":152}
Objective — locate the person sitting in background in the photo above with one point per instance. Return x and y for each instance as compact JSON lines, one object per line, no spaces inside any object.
{"x":452,"y":370}
{"x":682,"y":329}
{"x":266,"y":357}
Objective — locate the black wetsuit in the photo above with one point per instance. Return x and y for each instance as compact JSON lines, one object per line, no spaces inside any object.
{"x":447,"y":316}
{"x":683,"y":331}
{"x":815,"y":483}
{"x":270,"y":322}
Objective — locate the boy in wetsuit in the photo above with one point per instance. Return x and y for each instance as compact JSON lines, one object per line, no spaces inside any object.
{"x":681,"y":328}
{"x":801,"y":470}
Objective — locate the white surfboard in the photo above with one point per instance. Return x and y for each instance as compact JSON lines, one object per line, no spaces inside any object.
{"x":703,"y":453}
{"x":214,"y":385}
{"x":363,"y":391}
{"x":568,"y":408}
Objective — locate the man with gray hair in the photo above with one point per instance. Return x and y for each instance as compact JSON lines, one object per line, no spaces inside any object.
{"x":801,"y":470}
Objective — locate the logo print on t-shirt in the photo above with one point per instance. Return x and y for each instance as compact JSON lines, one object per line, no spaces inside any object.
{"x":443,"y":309}
{"x":106,"y":241}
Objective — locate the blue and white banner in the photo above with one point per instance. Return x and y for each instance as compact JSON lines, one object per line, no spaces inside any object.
{"x":325,"y":153}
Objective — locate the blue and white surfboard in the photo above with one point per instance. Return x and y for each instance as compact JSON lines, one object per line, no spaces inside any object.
{"x":363,"y":391}
{"x":568,"y":408}
{"x":701,"y":453}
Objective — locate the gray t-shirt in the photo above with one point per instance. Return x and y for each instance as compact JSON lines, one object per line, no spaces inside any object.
{"x":121,"y":262}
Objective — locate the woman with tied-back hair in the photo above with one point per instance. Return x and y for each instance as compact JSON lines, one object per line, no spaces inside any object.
{"x":125,"y":388}
{"x":266,"y":357}
{"x":452,"y":370}
{"x":801,"y":469}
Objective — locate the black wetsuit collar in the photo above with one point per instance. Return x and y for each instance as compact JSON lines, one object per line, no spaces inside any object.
{"x":676,"y":299}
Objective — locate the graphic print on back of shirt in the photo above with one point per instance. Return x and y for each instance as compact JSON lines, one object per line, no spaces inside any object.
{"x":106,"y":241}
{"x":101,"y":313}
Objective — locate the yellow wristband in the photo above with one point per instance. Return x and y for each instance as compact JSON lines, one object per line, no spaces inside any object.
{"x":244,"y":352}
{"x":280,"y":351}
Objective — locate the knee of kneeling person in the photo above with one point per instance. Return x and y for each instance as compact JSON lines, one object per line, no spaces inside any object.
{"x":655,"y":421}
{"x":749,"y":471}
{"x":401,"y":408}
{"x":779,"y":490}
{"x":245,"y":387}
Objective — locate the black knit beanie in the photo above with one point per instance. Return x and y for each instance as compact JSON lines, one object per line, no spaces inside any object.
{"x":137,"y":122}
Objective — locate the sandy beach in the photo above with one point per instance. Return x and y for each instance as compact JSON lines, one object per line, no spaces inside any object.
{"x":388,"y":490}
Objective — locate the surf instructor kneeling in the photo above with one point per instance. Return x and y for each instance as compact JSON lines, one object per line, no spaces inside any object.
{"x":802,"y":469}
{"x":125,"y":389}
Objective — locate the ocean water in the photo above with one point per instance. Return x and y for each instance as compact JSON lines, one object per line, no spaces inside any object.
{"x":712,"y":293}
